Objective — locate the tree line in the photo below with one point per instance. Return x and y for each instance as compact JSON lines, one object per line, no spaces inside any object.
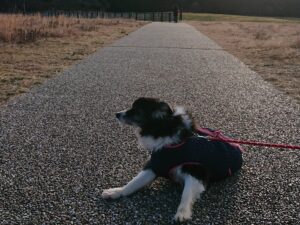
{"x":285,"y":8}
{"x":289,"y":8}
{"x":41,"y":5}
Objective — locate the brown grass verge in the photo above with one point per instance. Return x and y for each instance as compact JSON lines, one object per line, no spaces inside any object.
{"x":24,"y":63}
{"x":18,"y":28}
{"x":271,"y":49}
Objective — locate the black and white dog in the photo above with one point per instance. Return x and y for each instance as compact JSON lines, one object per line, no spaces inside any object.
{"x":178,"y":151}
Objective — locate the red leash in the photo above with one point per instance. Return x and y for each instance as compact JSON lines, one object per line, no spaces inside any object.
{"x":218,"y":136}
{"x":255,"y":143}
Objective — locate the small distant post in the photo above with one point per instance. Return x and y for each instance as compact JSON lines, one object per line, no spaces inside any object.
{"x":180,"y":14}
{"x":175,"y":13}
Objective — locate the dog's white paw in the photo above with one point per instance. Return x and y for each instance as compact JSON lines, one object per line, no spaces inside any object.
{"x":183,"y":214}
{"x":112,"y":193}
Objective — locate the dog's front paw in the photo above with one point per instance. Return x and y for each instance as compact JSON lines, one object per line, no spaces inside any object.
{"x":112,"y":193}
{"x":183,"y":214}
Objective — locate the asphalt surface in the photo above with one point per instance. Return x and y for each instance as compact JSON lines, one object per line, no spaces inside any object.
{"x":61,"y":145}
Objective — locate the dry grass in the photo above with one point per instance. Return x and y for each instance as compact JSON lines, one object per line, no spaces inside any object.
{"x":296,"y":43}
{"x":235,"y":18}
{"x":271,"y":49}
{"x":60,"y":42}
{"x":18,"y":28}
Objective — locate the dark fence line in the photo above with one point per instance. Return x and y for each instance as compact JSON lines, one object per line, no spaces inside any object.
{"x":146,"y":16}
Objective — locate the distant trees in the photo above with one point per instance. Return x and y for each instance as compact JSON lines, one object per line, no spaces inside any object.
{"x":244,"y":7}
{"x":39,"y":5}
{"x":142,"y":5}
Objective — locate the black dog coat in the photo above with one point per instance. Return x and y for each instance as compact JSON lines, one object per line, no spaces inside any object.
{"x":220,"y":159}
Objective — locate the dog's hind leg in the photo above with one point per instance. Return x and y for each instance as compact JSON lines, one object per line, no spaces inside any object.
{"x":144,"y":178}
{"x":191,"y":192}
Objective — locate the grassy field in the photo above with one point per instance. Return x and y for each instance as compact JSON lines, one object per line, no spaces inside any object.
{"x":235,"y":18}
{"x":269,"y":46}
{"x":34,"y":48}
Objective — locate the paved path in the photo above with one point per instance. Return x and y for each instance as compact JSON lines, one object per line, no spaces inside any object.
{"x":61,"y":145}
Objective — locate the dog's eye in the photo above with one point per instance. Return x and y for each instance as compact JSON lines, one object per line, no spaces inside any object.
{"x":134,"y":112}
{"x":138,"y":111}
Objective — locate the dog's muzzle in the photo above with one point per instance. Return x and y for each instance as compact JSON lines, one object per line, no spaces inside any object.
{"x":120,"y":115}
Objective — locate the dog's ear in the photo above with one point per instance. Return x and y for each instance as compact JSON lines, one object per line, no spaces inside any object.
{"x":184,"y":116}
{"x":166,"y":108}
{"x":163,"y":111}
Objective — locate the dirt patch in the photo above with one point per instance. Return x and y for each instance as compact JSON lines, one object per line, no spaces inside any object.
{"x":270,"y":49}
{"x":27,"y":63}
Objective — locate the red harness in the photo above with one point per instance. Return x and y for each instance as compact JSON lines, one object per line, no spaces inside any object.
{"x":218,"y":136}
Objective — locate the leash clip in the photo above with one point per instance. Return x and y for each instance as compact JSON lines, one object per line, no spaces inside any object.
{"x":201,"y":136}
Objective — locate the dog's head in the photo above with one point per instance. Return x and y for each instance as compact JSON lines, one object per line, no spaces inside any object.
{"x":145,"y":111}
{"x":158,"y":124}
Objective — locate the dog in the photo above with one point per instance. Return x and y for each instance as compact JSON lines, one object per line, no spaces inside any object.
{"x":178,"y":151}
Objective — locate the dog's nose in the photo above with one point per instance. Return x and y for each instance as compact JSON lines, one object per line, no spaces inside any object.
{"x":118,"y":115}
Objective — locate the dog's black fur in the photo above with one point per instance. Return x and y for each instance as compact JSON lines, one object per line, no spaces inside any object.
{"x":159,"y":127}
{"x":156,"y":118}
